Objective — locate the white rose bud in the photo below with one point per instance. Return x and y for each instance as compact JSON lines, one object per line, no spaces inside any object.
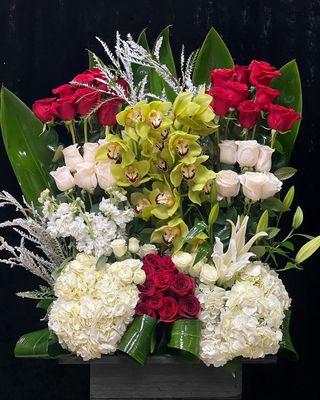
{"x":125,"y":274}
{"x":228,"y":152}
{"x":248,"y":152}
{"x":258,"y":185}
{"x":182,"y":261}
{"x":139,"y":277}
{"x":147,"y":249}
{"x":208,"y":274}
{"x":133,"y":245}
{"x":195,"y":269}
{"x":89,"y":151}
{"x":119,"y":247}
{"x":72,"y":157}
{"x":104,"y":175}
{"x":85,"y":177}
{"x":228,"y":183}
{"x":63,"y":178}
{"x":264,"y":162}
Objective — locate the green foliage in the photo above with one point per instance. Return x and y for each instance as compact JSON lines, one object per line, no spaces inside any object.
{"x":263,"y":222}
{"x":308,"y":249}
{"x":286,"y":345}
{"x":287,"y":201}
{"x":285,"y":173}
{"x":198,"y":228}
{"x":297,"y":218}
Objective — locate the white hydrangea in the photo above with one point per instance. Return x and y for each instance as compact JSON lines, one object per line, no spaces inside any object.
{"x":244,"y":320}
{"x":94,"y":307}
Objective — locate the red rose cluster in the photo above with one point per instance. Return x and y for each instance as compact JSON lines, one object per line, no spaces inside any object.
{"x":230,"y":88}
{"x":72,"y":100}
{"x":167,"y":294}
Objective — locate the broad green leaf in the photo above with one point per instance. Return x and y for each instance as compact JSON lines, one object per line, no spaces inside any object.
{"x":289,"y":85}
{"x":44,"y":304}
{"x":29,"y":150}
{"x":285,"y":173}
{"x":101,"y":262}
{"x":308,"y":249}
{"x":213,"y":215}
{"x":204,"y":250}
{"x":272,"y":232}
{"x":274,"y":204}
{"x":198,"y":228}
{"x":213,"y":54}
{"x":143,"y":41}
{"x":287,"y":201}
{"x":263,"y":222}
{"x":185,"y":339}
{"x":297,"y":218}
{"x":39,"y":344}
{"x":136,"y":342}
{"x":138,"y":70}
{"x":286,"y":343}
{"x":259,"y":251}
{"x":287,"y":245}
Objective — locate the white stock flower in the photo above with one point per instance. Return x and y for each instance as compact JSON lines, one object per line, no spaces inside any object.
{"x":248,"y":152}
{"x":259,"y":186}
{"x":183,"y":261}
{"x":228,"y":152}
{"x":264,"y":162}
{"x":63,"y":178}
{"x":85,"y":177}
{"x":72,"y":157}
{"x":133,"y":245}
{"x":104,"y":175}
{"x":119,"y":247}
{"x":228,"y":183}
{"x":89,"y":151}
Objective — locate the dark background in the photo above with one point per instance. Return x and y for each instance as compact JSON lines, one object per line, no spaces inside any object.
{"x":43,"y":45}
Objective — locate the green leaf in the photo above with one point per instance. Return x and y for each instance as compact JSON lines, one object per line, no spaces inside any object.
{"x":138,"y":70}
{"x":286,"y":343}
{"x":185,"y":339}
{"x":29,"y":150}
{"x":259,"y":251}
{"x":39,"y":344}
{"x":287,"y":201}
{"x":308,"y":249}
{"x":198,"y":228}
{"x":287,"y":245}
{"x":136,"y":342}
{"x":44,"y":304}
{"x":233,"y":365}
{"x":274,"y":204}
{"x":288,"y":266}
{"x":58,"y":271}
{"x":263,"y":222}
{"x":297,"y":218}
{"x":204,"y":250}
{"x":213,"y":54}
{"x":285,"y":173}
{"x":101,"y":262}
{"x":213,"y":215}
{"x":272,"y":232}
{"x":289,"y":85}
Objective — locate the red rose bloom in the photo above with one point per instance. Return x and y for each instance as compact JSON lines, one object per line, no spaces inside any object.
{"x":238,"y":92}
{"x":152,"y":259}
{"x":63,"y":90}
{"x":265,"y":96}
{"x":162,"y":280}
{"x":148,"y":288}
{"x":86,"y":100}
{"x":142,"y":309}
{"x":241,"y":74}
{"x":220,"y":100}
{"x":249,"y":114}
{"x":166,"y":264}
{"x":220,"y":76}
{"x":42,"y":109}
{"x":154,"y":302}
{"x":282,"y":118}
{"x":182,"y":284}
{"x":65,"y":108}
{"x":108,"y":111}
{"x":189,"y":306}
{"x":262,"y":73}
{"x":87,"y":77}
{"x":169,"y":309}
{"x":148,"y":269}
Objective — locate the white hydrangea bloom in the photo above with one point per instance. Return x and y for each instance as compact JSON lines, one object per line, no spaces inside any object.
{"x":93,"y":308}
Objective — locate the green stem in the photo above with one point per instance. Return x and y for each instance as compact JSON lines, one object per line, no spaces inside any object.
{"x":85,"y":129}
{"x":273,"y":138}
{"x":70,"y":126}
{"x":254,"y":132}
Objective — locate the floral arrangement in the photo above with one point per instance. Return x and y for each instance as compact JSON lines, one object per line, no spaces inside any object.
{"x":153,"y":205}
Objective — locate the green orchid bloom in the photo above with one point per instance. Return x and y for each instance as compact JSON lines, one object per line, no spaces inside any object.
{"x":172,"y":234}
{"x":183,"y":144}
{"x":188,"y":169}
{"x":165,"y":200}
{"x":200,"y":190}
{"x":131,"y":175}
{"x":141,"y":204}
{"x":114,"y":149}
{"x":161,"y":163}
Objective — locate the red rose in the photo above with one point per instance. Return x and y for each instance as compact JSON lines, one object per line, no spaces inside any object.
{"x":189,"y":306}
{"x":162,"y":280}
{"x":182,"y":284}
{"x":169,"y":309}
{"x":220,"y":76}
{"x":143,"y":309}
{"x":87,"y":77}
{"x":148,"y":288}
{"x":108,"y":111}
{"x":241,"y":74}
{"x":249,"y":114}
{"x":156,"y":301}
{"x":282,"y":118}
{"x":148,"y":269}
{"x":265,"y":96}
{"x":238,"y":92}
{"x":220,"y":100}
{"x":65,"y":108}
{"x":166,"y":264}
{"x":153,"y":260}
{"x":42,"y":109}
{"x":63,"y":90}
{"x":262,"y":73}
{"x":86,"y":100}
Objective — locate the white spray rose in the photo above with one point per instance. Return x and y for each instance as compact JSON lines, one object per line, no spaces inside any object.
{"x":63,"y":178}
{"x":264,"y":162}
{"x":126,"y":274}
{"x":248,"y":152}
{"x":147,"y":249}
{"x":72,"y":157}
{"x":119,"y":247}
{"x":258,"y":186}
{"x":195,"y":269}
{"x":228,"y":152}
{"x":182,"y":260}
{"x":139,"y":277}
{"x":208,"y":274}
{"x":85,"y":177}
{"x":104,"y":175}
{"x":228,"y":183}
{"x":134,"y":245}
{"x":89,"y":151}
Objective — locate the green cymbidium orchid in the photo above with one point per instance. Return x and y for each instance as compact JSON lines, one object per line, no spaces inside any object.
{"x":171,"y":234}
{"x":200,"y":190}
{"x":116,"y":149}
{"x":161,"y":163}
{"x":189,"y":169}
{"x":183,"y":144}
{"x":141,"y":204}
{"x":131,"y":175}
{"x":165,"y":200}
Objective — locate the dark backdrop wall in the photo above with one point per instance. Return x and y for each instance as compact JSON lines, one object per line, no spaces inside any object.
{"x":43,"y":45}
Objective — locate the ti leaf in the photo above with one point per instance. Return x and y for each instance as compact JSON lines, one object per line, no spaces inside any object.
{"x":213,"y":54}
{"x":194,"y":231}
{"x":204,"y":250}
{"x":286,"y":345}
